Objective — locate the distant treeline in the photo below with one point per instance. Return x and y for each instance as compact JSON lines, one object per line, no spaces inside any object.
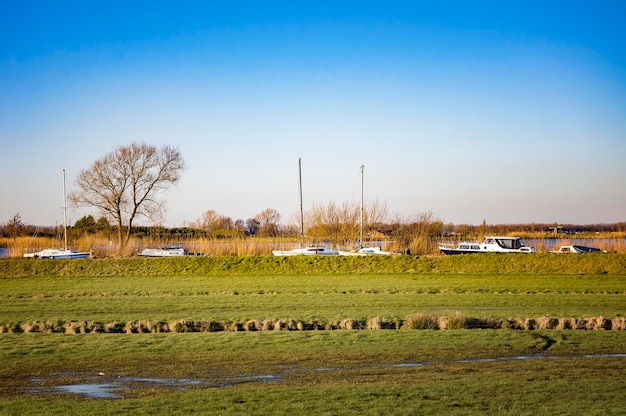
{"x":238,"y":229}
{"x":552,"y":228}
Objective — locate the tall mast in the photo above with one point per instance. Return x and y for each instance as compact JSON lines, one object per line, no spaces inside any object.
{"x":64,"y":214}
{"x":301,"y":209}
{"x":362,"y":208}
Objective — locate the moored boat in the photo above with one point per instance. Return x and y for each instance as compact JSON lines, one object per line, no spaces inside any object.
{"x":168,"y":251}
{"x":366,"y":251}
{"x":54,"y":253}
{"x":576,"y":249}
{"x":491,"y":244}
{"x":303,"y":250}
{"x":65,"y":252}
{"x":373,"y":250}
{"x":307,"y":251}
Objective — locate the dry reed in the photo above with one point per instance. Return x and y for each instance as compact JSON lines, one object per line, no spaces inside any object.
{"x":102,"y":246}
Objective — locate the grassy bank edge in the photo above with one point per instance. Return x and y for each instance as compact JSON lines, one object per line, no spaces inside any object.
{"x":611,"y":264}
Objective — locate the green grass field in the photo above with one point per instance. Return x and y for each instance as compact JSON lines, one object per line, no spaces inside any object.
{"x":313,"y":365}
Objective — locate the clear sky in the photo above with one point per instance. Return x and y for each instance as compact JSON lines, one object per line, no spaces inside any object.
{"x":503,"y":111}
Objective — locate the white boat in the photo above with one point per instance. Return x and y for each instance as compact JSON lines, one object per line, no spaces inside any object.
{"x":576,"y":249}
{"x":307,"y":251}
{"x":491,"y":244}
{"x":60,"y":253}
{"x":168,"y":251}
{"x":365,"y":251}
{"x":373,"y":250}
{"x":54,"y":253}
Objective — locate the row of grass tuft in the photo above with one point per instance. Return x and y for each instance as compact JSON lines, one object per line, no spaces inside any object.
{"x":412,"y":322}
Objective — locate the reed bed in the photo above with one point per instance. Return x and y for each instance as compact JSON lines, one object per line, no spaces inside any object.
{"x":418,"y":321}
{"x":490,"y":264}
{"x":102,"y":246}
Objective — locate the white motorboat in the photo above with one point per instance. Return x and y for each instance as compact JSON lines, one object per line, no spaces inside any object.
{"x":576,"y":249}
{"x":168,"y":251}
{"x":307,"y":251}
{"x":58,"y":253}
{"x":491,"y":244}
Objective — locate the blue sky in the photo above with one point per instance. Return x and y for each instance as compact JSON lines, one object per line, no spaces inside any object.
{"x":508,"y":112}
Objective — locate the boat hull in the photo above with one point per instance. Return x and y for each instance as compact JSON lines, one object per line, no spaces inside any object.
{"x":165,"y":252}
{"x":307,"y":251}
{"x":54,"y":254}
{"x":68,"y":256}
{"x":452,"y":251}
{"x":366,"y":251}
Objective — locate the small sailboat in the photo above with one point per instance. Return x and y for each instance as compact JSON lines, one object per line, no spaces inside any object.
{"x":60,"y":253}
{"x":361,"y":250}
{"x":310,"y":250}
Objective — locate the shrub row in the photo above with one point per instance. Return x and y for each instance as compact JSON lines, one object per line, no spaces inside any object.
{"x":412,"y":322}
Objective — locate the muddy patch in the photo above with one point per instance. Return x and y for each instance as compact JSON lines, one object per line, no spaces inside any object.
{"x":103,"y":387}
{"x":113,"y":388}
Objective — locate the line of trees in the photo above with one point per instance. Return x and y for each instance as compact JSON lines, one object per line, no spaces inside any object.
{"x":335,"y":223}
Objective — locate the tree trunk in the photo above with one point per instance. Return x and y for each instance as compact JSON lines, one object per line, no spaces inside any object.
{"x":119,"y":235}
{"x":128,"y":231}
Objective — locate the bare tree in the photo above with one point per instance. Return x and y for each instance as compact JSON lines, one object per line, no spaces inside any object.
{"x":212,"y":223}
{"x":253,"y":226}
{"x":268,"y":220}
{"x":14,"y":227}
{"x":418,"y":235}
{"x":337,"y":223}
{"x":340,"y":223}
{"x":124,"y":184}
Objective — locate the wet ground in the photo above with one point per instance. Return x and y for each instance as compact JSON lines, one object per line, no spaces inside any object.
{"x":103,"y":386}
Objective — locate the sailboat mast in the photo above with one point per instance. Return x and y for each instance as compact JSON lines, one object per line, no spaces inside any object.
{"x":64,"y":214}
{"x":301,"y":209}
{"x":362,"y":209}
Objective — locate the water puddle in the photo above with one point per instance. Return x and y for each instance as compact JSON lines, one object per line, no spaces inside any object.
{"x":93,"y":391}
{"x":105,"y":388}
{"x":111,"y":388}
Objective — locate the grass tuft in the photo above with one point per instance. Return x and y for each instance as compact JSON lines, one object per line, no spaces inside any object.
{"x":421,"y":321}
{"x":618,"y":324}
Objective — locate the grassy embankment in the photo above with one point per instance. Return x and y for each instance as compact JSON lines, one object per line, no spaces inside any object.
{"x":315,"y":372}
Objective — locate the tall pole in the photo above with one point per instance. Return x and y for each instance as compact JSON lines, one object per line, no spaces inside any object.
{"x":301,"y":209}
{"x":362,"y":208}
{"x":64,"y":214}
